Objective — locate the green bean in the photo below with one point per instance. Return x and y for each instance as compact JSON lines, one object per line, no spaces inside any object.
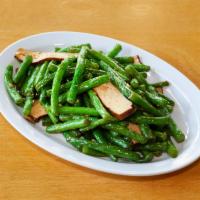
{"x":68,"y":50}
{"x":24,"y":86}
{"x":69,"y":125}
{"x":153,"y":120}
{"x":98,"y":105}
{"x":89,"y":84}
{"x":91,"y":64}
{"x":74,"y":49}
{"x":126,"y":132}
{"x":77,"y":103}
{"x":117,"y":140}
{"x":113,"y":52}
{"x":141,"y":67}
{"x":169,"y":109}
{"x":47,"y":107}
{"x":8,"y":81}
{"x":92,"y":152}
{"x":162,"y":136}
{"x":56,"y":85}
{"x":41,"y":73}
{"x":140,"y":92}
{"x":170,"y":102}
{"x":21,"y":73}
{"x":99,"y":136}
{"x":161,"y":84}
{"x":87,"y":76}
{"x":157,"y":153}
{"x":107,"y":149}
{"x":64,"y":118}
{"x":146,"y":157}
{"x":134,"y":83}
{"x":125,"y":89}
{"x":72,"y":133}
{"x":47,"y":79}
{"x":52,"y":67}
{"x":158,"y":146}
{"x":109,"y":62}
{"x":146,"y":131}
{"x":29,"y":90}
{"x":46,"y":121}
{"x":124,"y":59}
{"x":156,"y":99}
{"x":71,"y":98}
{"x":175,"y":131}
{"x":86,"y":101}
{"x":102,"y":140}
{"x":69,"y":117}
{"x":131,"y":71}
{"x":27,"y":106}
{"x":63,"y":97}
{"x":95,"y":124}
{"x":78,"y":111}
{"x":144,"y":74}
{"x":171,"y":149}
{"x":63,"y":88}
{"x":142,"y":87}
{"x":95,"y":72}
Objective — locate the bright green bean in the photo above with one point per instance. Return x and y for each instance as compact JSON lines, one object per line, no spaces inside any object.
{"x":98,"y":105}
{"x":113,"y":52}
{"x":146,"y":131}
{"x":41,"y":72}
{"x":29,"y":90}
{"x":124,"y":59}
{"x":69,"y":125}
{"x":126,"y":132}
{"x":14,"y":94}
{"x":73,"y":91}
{"x":22,"y":69}
{"x":109,"y":62}
{"x":27,"y":106}
{"x":78,"y":111}
{"x":56,"y":85}
{"x":175,"y":131}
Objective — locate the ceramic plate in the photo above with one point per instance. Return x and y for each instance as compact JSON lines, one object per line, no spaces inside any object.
{"x":183,"y":91}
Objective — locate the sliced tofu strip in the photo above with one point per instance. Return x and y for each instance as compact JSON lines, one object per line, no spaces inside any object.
{"x":137,"y":59}
{"x":159,"y":90}
{"x":114,"y":101}
{"x":135,"y":128}
{"x":37,"y":112}
{"x":42,"y":56}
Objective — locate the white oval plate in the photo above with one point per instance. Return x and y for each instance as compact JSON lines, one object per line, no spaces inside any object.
{"x":182,"y":90}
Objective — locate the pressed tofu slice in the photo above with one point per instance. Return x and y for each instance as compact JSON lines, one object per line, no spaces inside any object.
{"x":159,"y":90}
{"x":42,"y":56}
{"x":135,"y":128}
{"x":114,"y":101}
{"x":37,"y":111}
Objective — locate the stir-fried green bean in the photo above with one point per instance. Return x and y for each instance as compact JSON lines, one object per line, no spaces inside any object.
{"x":67,"y":95}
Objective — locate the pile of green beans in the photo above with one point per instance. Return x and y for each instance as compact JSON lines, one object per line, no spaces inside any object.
{"x":65,"y":90}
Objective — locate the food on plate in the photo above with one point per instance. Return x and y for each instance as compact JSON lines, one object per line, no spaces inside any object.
{"x":102,"y":103}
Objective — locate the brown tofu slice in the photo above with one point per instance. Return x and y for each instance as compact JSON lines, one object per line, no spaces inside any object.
{"x":159,"y":90}
{"x":137,"y":59}
{"x":37,"y":112}
{"x":135,"y":128}
{"x":42,"y":56}
{"x":114,"y":101}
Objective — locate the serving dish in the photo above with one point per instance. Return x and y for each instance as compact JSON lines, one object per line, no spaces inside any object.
{"x":182,"y":90}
